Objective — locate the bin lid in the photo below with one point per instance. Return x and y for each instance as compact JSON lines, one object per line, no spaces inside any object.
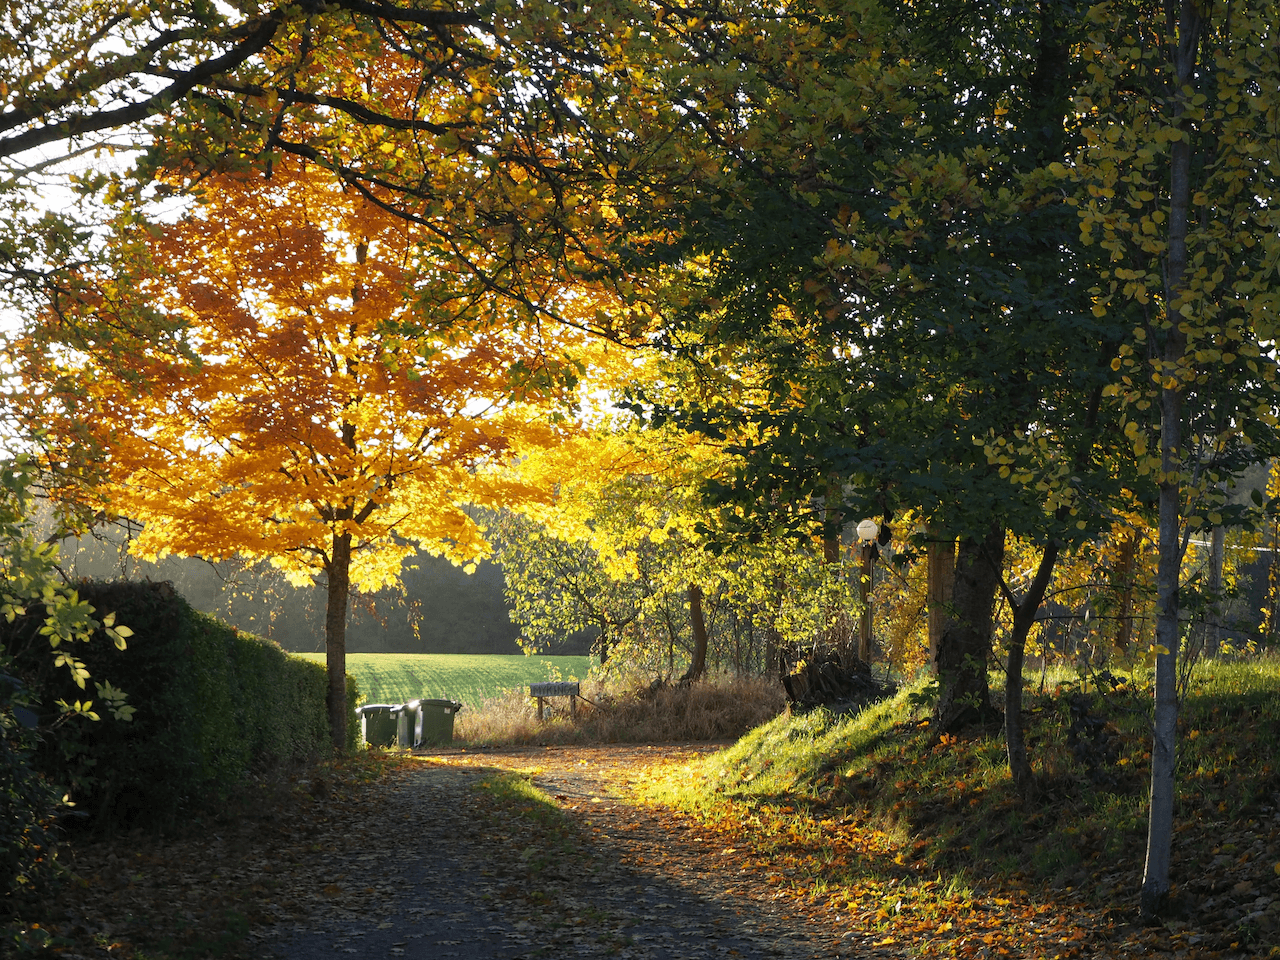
{"x":370,"y":707}
{"x":453,"y":706}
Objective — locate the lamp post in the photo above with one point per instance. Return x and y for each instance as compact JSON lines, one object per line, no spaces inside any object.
{"x":868,"y":530}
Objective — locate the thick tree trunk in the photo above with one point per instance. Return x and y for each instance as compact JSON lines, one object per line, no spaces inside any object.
{"x":964,"y":648}
{"x":335,"y":638}
{"x":1125,"y":564}
{"x":698,"y":665}
{"x":941,"y":575}
{"x":1155,"y":880}
{"x":1024,"y":617}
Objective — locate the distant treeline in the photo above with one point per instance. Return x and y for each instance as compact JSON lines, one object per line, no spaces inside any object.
{"x":441,"y":610}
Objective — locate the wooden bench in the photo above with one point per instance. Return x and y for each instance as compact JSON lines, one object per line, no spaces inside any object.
{"x":540,"y":691}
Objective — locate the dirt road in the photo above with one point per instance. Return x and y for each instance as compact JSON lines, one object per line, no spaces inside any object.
{"x":452,"y":877}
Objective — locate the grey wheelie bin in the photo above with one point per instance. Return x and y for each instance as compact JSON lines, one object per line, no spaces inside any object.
{"x":377,"y":724}
{"x":435,"y":721}
{"x":407,"y":724}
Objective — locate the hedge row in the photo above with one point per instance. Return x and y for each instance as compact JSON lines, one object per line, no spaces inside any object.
{"x":212,"y":704}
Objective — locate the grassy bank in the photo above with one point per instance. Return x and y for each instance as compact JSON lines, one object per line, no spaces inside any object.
{"x":910,"y":831}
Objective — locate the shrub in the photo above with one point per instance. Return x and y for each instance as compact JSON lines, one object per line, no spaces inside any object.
{"x":629,"y":710}
{"x":210,"y":704}
{"x":28,"y":802}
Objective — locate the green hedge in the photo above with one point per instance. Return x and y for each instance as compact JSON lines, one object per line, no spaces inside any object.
{"x":212,"y":704}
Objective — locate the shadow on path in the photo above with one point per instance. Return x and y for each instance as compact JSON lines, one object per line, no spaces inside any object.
{"x":456,"y":876}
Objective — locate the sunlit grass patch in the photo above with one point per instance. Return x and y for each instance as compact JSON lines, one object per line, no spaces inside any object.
{"x":554,"y":834}
{"x":514,"y":791}
{"x":798,"y":757}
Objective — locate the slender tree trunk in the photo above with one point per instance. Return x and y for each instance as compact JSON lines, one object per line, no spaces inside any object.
{"x":941,"y":576}
{"x":1155,"y":880}
{"x":773,"y":667}
{"x":1271,"y":606}
{"x":964,"y":648}
{"x":1217,"y":559}
{"x":698,"y":665}
{"x":1024,"y":617}
{"x":338,"y":593}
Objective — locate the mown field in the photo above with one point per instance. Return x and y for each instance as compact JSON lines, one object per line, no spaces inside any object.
{"x":469,"y":678}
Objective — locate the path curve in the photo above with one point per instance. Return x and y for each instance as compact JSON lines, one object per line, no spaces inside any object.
{"x":446,"y":880}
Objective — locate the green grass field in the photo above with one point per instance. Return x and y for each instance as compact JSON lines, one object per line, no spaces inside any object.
{"x":469,"y":678}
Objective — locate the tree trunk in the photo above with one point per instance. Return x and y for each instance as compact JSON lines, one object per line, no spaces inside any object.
{"x":698,"y":665}
{"x":964,"y":648}
{"x":1217,"y":559}
{"x":335,"y":638}
{"x":1271,"y":605}
{"x":773,"y":666}
{"x":1155,"y":880}
{"x":1024,"y":617}
{"x":1125,"y":565}
{"x":941,"y":562}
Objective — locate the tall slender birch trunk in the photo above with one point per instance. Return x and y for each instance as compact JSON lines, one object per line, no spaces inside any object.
{"x":1155,"y":880}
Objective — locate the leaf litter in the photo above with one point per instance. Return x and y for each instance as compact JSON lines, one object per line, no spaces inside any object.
{"x":449,"y":856}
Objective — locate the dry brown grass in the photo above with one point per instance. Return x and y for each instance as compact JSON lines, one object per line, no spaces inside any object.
{"x":628,"y":711}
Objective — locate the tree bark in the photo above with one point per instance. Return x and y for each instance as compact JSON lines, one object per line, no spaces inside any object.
{"x":941,"y":562}
{"x":1155,"y":880}
{"x":698,"y":665}
{"x":964,"y":648}
{"x":1024,"y":617}
{"x":1217,"y":559}
{"x":1125,"y":564}
{"x":337,"y":596}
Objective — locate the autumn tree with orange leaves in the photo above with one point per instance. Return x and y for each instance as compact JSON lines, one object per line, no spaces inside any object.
{"x":341,"y":405}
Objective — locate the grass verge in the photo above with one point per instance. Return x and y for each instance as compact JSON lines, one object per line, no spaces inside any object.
{"x":908,"y":832}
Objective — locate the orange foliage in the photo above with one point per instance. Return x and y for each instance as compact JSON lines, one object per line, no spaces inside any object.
{"x":337,"y":386}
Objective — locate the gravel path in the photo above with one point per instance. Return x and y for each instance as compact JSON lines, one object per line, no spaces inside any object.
{"x":450,"y":878}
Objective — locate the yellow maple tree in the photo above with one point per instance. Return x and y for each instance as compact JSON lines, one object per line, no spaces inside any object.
{"x":339,"y":404}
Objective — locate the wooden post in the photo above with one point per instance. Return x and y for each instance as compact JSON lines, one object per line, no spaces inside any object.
{"x":864,"y":625}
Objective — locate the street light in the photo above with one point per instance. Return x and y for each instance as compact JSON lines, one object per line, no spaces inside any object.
{"x":868,"y":530}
